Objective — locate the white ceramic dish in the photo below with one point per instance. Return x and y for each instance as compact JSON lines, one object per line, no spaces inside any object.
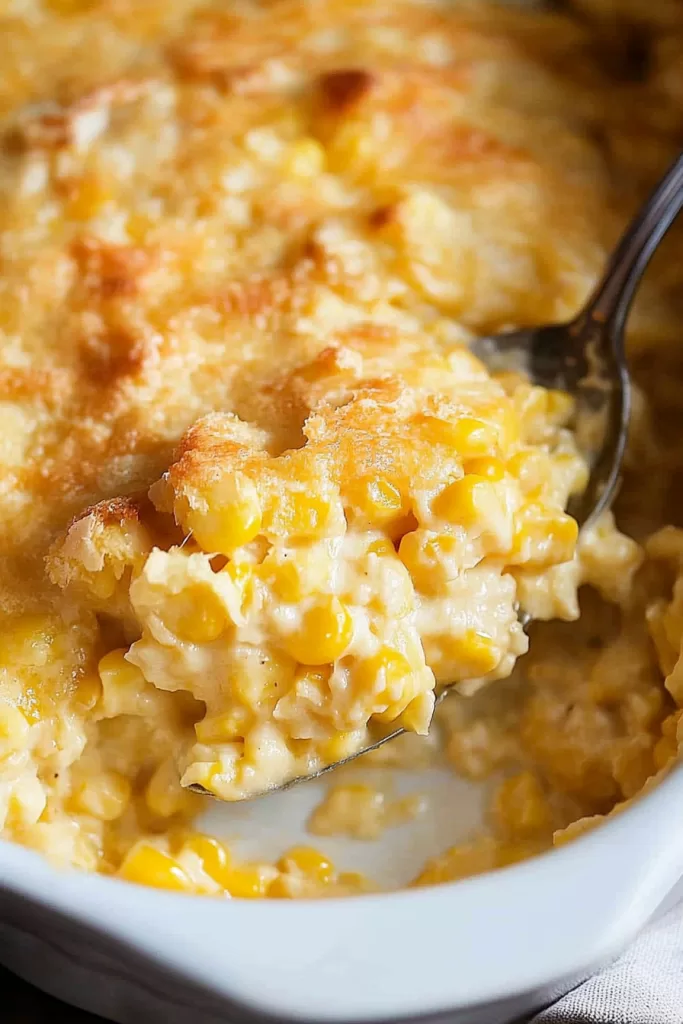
{"x":483,"y":951}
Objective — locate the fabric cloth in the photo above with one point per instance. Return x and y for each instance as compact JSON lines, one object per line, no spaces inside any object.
{"x":644,"y":986}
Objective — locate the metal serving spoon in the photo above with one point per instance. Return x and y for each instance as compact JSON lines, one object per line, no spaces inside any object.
{"x":585,"y":358}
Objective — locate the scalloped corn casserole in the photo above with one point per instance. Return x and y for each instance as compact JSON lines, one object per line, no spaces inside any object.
{"x":259,"y":502}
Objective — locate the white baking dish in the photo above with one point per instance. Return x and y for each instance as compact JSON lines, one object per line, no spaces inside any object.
{"x":483,"y":951}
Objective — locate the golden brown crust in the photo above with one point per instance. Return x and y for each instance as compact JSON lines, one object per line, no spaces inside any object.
{"x":34,"y":384}
{"x":166,"y":250}
{"x":342,"y":89}
{"x":114,"y":511}
{"x":110,"y":271}
{"x":54,"y":126}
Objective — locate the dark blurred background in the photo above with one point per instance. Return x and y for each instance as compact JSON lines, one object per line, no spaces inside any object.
{"x":23,"y":1004}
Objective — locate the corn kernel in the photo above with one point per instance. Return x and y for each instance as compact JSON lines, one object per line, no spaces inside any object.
{"x":560,"y":407}
{"x":532,"y":468}
{"x":26,"y":803}
{"x":377,"y":499}
{"x":114,"y":668}
{"x":308,"y":861}
{"x":294,"y":575}
{"x":395,"y":595}
{"x":353,"y":881}
{"x":507,"y":425}
{"x":532,"y":404}
{"x":281,"y":888}
{"x":89,"y":197}
{"x":325,"y":633}
{"x":486,"y":468}
{"x":356,"y":810}
{"x":104,"y":796}
{"x":543,"y":537}
{"x":539,"y":409}
{"x":232,"y":519}
{"x":285,"y":579}
{"x":202,"y":617}
{"x":123,"y":684}
{"x":396,"y":710}
{"x":146,"y":865}
{"x":261,"y":678}
{"x":138,"y":226}
{"x":305,"y":159}
{"x":469,"y":437}
{"x":239,"y":571}
{"x":248,"y":881}
{"x":381,"y":547}
{"x":223,"y":728}
{"x":573,"y":471}
{"x":417,"y":716}
{"x":213,"y":855}
{"x":163,"y":794}
{"x":383,"y":675}
{"x":242,"y":575}
{"x":29,"y":640}
{"x":425,"y":556}
{"x":412,"y":552}
{"x":298,"y":514}
{"x":340,"y":746}
{"x":475,"y":652}
{"x":87,"y":853}
{"x":88,"y":691}
{"x":465,"y":501}
{"x":209,"y":774}
{"x":352,"y":148}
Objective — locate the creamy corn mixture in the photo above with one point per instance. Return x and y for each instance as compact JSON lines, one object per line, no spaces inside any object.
{"x":258,"y":501}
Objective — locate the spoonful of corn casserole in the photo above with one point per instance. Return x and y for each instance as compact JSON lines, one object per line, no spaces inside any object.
{"x":312,"y":587}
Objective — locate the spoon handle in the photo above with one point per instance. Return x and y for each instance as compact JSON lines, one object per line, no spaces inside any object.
{"x":612,"y":297}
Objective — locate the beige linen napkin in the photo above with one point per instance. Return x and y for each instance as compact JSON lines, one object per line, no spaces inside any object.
{"x":644,"y":986}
